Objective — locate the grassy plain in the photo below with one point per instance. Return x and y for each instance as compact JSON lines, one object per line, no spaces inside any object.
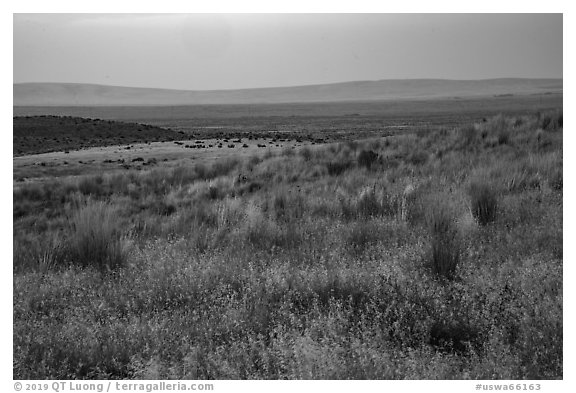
{"x":428,"y":253}
{"x":332,"y":121}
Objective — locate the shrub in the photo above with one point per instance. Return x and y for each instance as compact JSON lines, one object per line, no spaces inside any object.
{"x":555,"y":180}
{"x":224,"y":167}
{"x":287,"y":151}
{"x":181,"y":174}
{"x":445,"y":247}
{"x":352,"y":145}
{"x":248,"y":188}
{"x":468,"y":136}
{"x":254,"y":160}
{"x":503,"y":136}
{"x":164,"y":208}
{"x":409,"y":208}
{"x":32,"y":191}
{"x":279,"y":205}
{"x":372,"y":201}
{"x":360,"y":235}
{"x":375,"y":144}
{"x":543,"y":139}
{"x":368,"y":204}
{"x":51,"y":254}
{"x":117,"y":183}
{"x":389,"y":162}
{"x":366,"y":158}
{"x":498,"y":128}
{"x":551,"y":121}
{"x":418,"y":158}
{"x":285,"y":205}
{"x":90,"y":185}
{"x":43,"y":254}
{"x":498,"y":123}
{"x":95,"y":240}
{"x":306,"y":153}
{"x":264,"y":233}
{"x":268,"y":154}
{"x":336,"y":168}
{"x":483,"y":201}
{"x":452,"y":336}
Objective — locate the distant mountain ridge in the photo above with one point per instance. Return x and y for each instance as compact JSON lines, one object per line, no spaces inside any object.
{"x":78,"y":94}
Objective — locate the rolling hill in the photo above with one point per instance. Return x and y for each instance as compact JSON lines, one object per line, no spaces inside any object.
{"x":43,"y":134}
{"x":72,"y":94}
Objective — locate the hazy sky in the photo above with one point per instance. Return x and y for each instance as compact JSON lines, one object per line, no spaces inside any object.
{"x":224,"y":51}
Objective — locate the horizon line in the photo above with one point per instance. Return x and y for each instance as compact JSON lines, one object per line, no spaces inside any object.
{"x":290,"y":86}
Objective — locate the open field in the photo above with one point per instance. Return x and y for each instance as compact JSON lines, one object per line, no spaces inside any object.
{"x":107,"y":142}
{"x":392,"y":111}
{"x":138,"y":156}
{"x":420,"y":244}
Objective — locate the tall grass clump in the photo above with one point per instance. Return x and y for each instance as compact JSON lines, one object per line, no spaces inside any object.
{"x":288,"y":151}
{"x":555,"y":180}
{"x":336,"y":168}
{"x":368,"y":203}
{"x":468,"y":136}
{"x":367,"y":158}
{"x":496,"y":131}
{"x":418,"y":157}
{"x":372,"y":201}
{"x":445,"y":245}
{"x":551,"y":121}
{"x":483,"y":201}
{"x":95,"y":239}
{"x":360,"y":235}
{"x":91,"y":185}
{"x":224,"y":167}
{"x":306,"y":153}
{"x":41,"y":254}
{"x":500,"y":127}
{"x":503,"y":136}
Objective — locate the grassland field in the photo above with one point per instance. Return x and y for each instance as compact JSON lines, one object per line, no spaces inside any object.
{"x":416,"y":244}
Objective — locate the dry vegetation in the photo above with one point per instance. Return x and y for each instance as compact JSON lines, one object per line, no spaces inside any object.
{"x":421,"y":256}
{"x":42,"y":134}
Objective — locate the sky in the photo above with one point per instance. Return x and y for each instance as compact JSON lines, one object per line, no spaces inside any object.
{"x":233,"y":51}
